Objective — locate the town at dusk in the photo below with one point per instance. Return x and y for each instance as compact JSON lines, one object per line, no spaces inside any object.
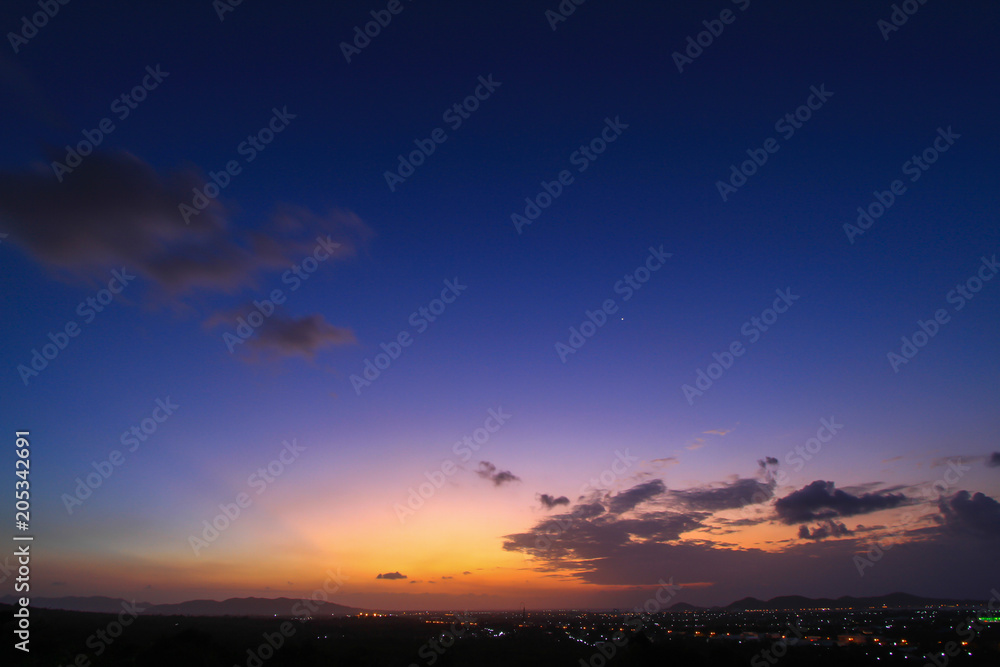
{"x":549,"y":332}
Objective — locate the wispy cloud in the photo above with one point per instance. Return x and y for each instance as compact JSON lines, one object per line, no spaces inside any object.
{"x":489,"y":471}
{"x":828,"y":528}
{"x":549,"y":502}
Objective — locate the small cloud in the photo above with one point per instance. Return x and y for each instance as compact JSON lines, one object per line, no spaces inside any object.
{"x":279,"y":335}
{"x":303,"y":336}
{"x":893,"y":459}
{"x":489,"y":471}
{"x":719,"y":432}
{"x":466,"y":572}
{"x":993,"y":461}
{"x":391,"y":575}
{"x":549,"y":502}
{"x":943,"y":461}
{"x":828,"y":529}
{"x":447,"y":577}
{"x":664,"y":462}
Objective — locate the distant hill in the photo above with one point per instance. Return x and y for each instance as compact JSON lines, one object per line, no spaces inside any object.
{"x":288,"y":607}
{"x":892,"y":601}
{"x":285,"y":607}
{"x":96,"y":603}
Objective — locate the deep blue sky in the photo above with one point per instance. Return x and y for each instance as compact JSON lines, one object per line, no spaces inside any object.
{"x":655,"y":185}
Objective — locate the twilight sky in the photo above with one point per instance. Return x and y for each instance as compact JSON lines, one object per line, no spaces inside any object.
{"x":503,"y":307}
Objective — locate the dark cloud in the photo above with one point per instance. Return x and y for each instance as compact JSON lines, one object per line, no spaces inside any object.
{"x":447,"y":577}
{"x":466,"y":572}
{"x":594,"y":546}
{"x":489,"y":471}
{"x":549,"y":502}
{"x":391,"y":575}
{"x":640,"y":493}
{"x":977,"y":515}
{"x":588,"y":529}
{"x":994,"y":460}
{"x":740,"y":522}
{"x":767,"y":461}
{"x":279,"y":335}
{"x":302,"y":336}
{"x":829,"y":528}
{"x":731,"y":495}
{"x":820,"y":500}
{"x":114,"y":210}
{"x":587,"y":510}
